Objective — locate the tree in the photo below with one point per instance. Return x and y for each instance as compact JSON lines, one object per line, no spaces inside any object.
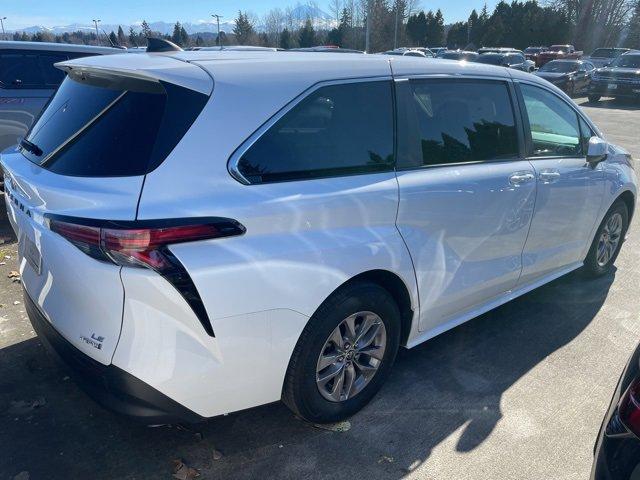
{"x":146,"y":30}
{"x":113,"y":40}
{"x":457,"y":35}
{"x":285,"y":39}
{"x":307,"y":35}
{"x":243,"y":29}
{"x":133,"y":37}
{"x":438,"y":28}
{"x":633,"y":36}
{"x":184,"y":37}
{"x":176,"y":37}
{"x":417,"y":29}
{"x":122,"y":38}
{"x":334,"y":37}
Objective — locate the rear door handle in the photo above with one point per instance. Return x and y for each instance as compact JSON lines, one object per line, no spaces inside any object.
{"x":520,"y":178}
{"x":549,"y":175}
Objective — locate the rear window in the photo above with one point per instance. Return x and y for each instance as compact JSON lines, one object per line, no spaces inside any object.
{"x":491,"y":58}
{"x":104,"y":130}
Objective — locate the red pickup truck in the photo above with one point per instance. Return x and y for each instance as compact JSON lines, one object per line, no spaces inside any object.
{"x":558,"y":52}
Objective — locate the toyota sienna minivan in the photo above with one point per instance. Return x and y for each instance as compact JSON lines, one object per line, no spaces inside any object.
{"x":204,"y":232}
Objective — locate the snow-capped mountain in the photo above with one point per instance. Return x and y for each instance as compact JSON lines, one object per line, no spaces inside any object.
{"x":299,"y":14}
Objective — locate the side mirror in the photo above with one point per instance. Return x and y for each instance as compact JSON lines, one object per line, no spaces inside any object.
{"x":597,"y":150}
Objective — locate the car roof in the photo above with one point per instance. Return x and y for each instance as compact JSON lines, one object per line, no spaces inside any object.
{"x":283,"y":72}
{"x":58,"y":47}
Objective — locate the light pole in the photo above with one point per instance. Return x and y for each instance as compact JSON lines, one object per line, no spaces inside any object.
{"x":395,"y":29}
{"x":218,"y":17}
{"x":368,"y":27}
{"x":95,"y":22}
{"x":2,"y":19}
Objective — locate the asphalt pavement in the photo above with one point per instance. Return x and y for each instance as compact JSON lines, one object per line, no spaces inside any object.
{"x":518,"y":393}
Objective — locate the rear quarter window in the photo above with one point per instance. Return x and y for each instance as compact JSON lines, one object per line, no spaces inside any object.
{"x":341,"y":129}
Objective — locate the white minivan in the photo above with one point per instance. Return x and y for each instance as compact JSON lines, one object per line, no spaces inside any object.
{"x":204,"y":232}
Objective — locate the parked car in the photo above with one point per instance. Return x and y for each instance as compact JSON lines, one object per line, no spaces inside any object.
{"x":532,"y":52}
{"x":401,"y":52}
{"x":460,"y":55}
{"x":498,"y":50}
{"x":284,"y":250}
{"x":438,"y":51}
{"x":511,"y":60}
{"x":617,"y":449}
{"x":571,"y":76}
{"x":324,"y":49}
{"x":28,"y":79}
{"x":234,"y":48}
{"x":601,"y":57}
{"x":621,"y":79}
{"x":558,"y":52}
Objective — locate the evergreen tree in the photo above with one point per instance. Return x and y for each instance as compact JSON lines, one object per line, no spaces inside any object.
{"x":122,"y":39}
{"x":307,"y":35}
{"x":285,"y":39}
{"x":417,"y":29}
{"x":113,"y":40}
{"x":438,"y":28}
{"x":243,"y":29}
{"x":176,"y":37}
{"x":146,"y":30}
{"x":184,"y":37}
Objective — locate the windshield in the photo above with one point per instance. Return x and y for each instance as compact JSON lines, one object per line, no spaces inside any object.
{"x":559,"y":67}
{"x":558,"y":48}
{"x":533,"y":50}
{"x":627,"y":61}
{"x":607,"y":52}
{"x":491,"y":58}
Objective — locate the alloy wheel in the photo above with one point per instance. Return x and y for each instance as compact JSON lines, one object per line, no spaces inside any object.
{"x":351,"y":356}
{"x":609,"y":239}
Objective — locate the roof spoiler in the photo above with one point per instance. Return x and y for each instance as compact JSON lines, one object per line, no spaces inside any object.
{"x":155,"y":45}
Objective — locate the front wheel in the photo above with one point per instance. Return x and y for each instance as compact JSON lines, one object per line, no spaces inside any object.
{"x":608,"y":241}
{"x":344,"y":354}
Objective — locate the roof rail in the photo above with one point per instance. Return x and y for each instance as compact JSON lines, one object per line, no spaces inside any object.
{"x":161,"y":45}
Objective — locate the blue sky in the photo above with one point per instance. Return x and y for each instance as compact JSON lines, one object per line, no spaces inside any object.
{"x":25,"y":13}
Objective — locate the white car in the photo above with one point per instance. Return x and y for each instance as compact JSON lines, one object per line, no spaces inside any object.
{"x":204,"y":232}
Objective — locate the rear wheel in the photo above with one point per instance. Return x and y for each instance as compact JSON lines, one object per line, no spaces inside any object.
{"x":594,"y":98}
{"x":344,"y":354}
{"x":608,"y":240}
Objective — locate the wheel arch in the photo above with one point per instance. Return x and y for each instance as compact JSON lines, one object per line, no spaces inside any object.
{"x":629,"y":200}
{"x":398,"y":289}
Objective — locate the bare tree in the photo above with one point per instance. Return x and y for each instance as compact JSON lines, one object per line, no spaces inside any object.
{"x":335,"y":7}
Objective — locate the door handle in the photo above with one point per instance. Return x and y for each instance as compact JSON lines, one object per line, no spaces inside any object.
{"x":549,"y":175}
{"x":520,"y":178}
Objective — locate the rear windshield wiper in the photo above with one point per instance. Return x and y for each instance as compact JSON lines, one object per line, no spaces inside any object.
{"x":31,"y":147}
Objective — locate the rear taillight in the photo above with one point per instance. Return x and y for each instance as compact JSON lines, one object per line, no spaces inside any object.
{"x":629,"y":408}
{"x":145,"y":244}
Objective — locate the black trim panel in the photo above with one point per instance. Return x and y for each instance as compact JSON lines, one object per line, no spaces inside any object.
{"x":178,"y":275}
{"x":108,"y":385}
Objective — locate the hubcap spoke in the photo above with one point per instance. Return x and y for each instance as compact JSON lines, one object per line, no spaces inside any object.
{"x":351,"y":356}
{"x":349,"y":379}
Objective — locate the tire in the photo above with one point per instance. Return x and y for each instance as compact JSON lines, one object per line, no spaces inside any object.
{"x":593,"y":264}
{"x":594,"y":98}
{"x":571,"y":89}
{"x":301,"y":391}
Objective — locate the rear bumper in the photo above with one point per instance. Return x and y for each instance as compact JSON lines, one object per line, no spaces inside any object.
{"x":621,"y":89}
{"x":108,"y":385}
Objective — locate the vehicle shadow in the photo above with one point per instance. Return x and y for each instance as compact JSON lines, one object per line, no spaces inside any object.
{"x":452,"y":383}
{"x":610,"y":103}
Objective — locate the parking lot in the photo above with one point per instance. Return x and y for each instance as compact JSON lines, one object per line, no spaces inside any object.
{"x":517,"y":393}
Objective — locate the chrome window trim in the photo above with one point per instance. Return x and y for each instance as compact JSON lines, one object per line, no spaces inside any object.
{"x":234,"y":159}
